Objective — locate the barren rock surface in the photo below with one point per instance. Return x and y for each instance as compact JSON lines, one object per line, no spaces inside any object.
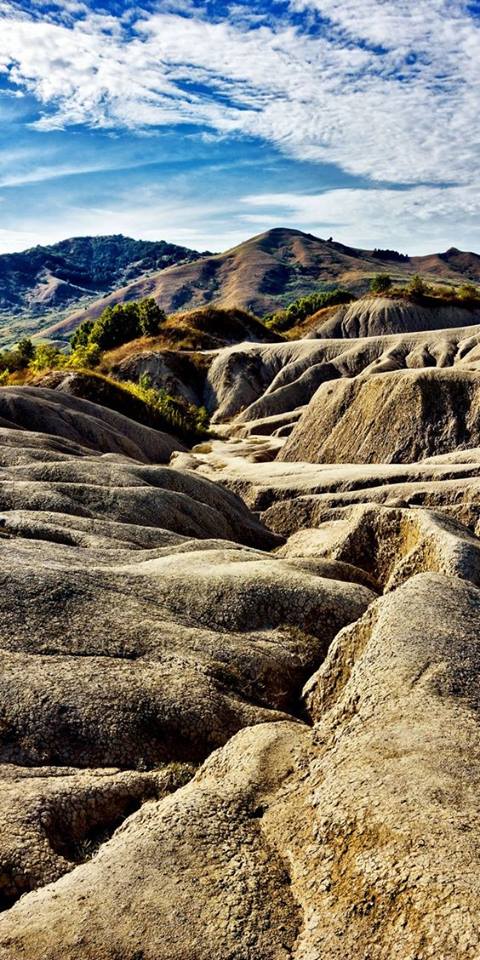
{"x":255,"y":381}
{"x":392,"y":418}
{"x":158,"y":655}
{"x":358,"y":838}
{"x":239,"y":691}
{"x":79,"y":421}
{"x":291,"y":496}
{"x":373,"y":317}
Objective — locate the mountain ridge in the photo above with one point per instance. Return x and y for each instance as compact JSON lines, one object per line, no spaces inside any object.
{"x":269,"y":271}
{"x":76,"y":279}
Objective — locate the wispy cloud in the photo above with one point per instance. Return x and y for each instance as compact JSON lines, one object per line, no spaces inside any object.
{"x":420,"y":219}
{"x":386,"y":90}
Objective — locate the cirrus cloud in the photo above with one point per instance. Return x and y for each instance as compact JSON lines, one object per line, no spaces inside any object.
{"x":379,"y":89}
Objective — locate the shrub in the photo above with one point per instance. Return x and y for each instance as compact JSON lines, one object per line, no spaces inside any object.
{"x":120,"y":324}
{"x":81,"y":335}
{"x":87,"y":356}
{"x":275,"y":321}
{"x":380,"y":283}
{"x":190,"y":422}
{"x":151,"y":317}
{"x":306,"y":307}
{"x":417,"y":286}
{"x":467,"y":291}
{"x":46,"y":357}
{"x":19,"y":358}
{"x":25,"y":351}
{"x":116,"y":325}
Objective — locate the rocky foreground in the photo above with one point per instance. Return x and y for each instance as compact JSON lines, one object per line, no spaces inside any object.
{"x":239,"y":696}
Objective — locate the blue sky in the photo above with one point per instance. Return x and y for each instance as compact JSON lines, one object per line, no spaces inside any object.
{"x":206,"y":122}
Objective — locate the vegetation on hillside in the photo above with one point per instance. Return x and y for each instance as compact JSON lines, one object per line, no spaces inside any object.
{"x":117,"y":333}
{"x":188,"y":422}
{"x":119,"y":324}
{"x":420,"y":291}
{"x":390,"y":255}
{"x":306,"y":307}
{"x":90,"y":263}
{"x":40,"y":287}
{"x":380,"y":283}
{"x":99,"y":346}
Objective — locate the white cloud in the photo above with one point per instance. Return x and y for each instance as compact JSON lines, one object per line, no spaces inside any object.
{"x":419,"y":220}
{"x":150,"y":212}
{"x":389,"y":91}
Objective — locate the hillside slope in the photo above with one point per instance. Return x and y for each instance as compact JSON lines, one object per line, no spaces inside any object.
{"x":85,"y":264}
{"x":272,"y":270}
{"x":396,"y":417}
{"x":40,"y":284}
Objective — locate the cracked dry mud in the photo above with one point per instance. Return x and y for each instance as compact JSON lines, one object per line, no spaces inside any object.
{"x":239,"y":695}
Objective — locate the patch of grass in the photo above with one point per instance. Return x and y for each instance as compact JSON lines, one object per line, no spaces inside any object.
{"x":185,"y":420}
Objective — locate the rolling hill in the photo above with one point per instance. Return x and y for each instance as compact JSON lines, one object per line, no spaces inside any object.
{"x":38,"y":286}
{"x":271,"y":270}
{"x":48,"y":291}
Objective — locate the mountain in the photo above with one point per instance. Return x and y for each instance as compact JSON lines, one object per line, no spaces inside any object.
{"x":50,"y":290}
{"x":272,"y":270}
{"x":40,"y":284}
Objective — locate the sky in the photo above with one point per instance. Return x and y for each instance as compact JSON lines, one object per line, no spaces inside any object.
{"x":203,"y":122}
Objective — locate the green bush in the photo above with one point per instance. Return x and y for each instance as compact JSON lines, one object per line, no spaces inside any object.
{"x":17,"y":359}
{"x":25,"y":351}
{"x":151,"y":317}
{"x":380,"y":283}
{"x":47,"y":356}
{"x":417,"y":287}
{"x":120,"y":324}
{"x":467,"y":291}
{"x":81,"y":335}
{"x":305,"y":307}
{"x":116,"y":325}
{"x":190,"y":422}
{"x":86,"y":357}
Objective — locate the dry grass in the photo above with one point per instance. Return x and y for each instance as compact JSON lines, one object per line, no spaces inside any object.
{"x":142,"y":345}
{"x":208,"y":328}
{"x":311,"y":323}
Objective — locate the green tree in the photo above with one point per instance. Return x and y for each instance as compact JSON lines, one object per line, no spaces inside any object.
{"x":116,"y":325}
{"x":25,"y":351}
{"x":417,"y":286}
{"x":151,"y":317}
{"x":46,"y":357}
{"x":81,"y":335}
{"x":305,"y":307}
{"x":380,"y":283}
{"x":88,"y":356}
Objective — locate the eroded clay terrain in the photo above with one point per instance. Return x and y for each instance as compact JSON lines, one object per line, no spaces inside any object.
{"x":239,"y":695}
